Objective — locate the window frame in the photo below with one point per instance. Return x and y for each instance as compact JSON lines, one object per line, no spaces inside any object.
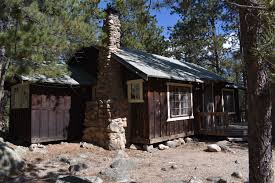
{"x":136,"y":81}
{"x":170,"y":118}
{"x":234,"y":105}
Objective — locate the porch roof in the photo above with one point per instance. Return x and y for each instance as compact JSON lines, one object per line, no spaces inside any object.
{"x":150,"y":65}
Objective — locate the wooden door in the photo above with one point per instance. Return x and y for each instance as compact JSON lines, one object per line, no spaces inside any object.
{"x":50,"y":117}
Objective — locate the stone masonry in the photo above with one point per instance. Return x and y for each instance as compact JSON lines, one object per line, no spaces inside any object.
{"x":106,"y":118}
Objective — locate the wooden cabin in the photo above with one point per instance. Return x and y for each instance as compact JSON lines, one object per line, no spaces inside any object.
{"x":168,"y":99}
{"x":49,"y":109}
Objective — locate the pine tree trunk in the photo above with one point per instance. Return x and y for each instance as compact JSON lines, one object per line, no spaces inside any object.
{"x":259,"y":101}
{"x":4,"y":64}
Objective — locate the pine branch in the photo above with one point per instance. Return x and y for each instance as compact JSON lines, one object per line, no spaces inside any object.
{"x":258,"y":7}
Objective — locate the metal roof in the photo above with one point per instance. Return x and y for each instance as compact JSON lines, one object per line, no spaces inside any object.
{"x":156,"y":66}
{"x":77,"y":77}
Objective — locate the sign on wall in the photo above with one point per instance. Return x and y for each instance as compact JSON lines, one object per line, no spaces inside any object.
{"x":20,"y":96}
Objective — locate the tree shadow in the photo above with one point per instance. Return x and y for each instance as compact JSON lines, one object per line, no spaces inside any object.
{"x":31,"y":173}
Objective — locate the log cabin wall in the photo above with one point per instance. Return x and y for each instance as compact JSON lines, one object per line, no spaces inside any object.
{"x":137,"y":130}
{"x":159,"y":128}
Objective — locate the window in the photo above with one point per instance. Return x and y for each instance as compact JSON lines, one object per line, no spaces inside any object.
{"x":228,"y":100}
{"x":135,"y":91}
{"x":180,"y":104}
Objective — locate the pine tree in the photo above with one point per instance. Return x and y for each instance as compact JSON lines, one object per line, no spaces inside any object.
{"x":200,"y":34}
{"x":38,"y":35}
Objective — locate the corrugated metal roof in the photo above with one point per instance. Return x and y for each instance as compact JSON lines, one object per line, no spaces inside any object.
{"x":151,"y":65}
{"x":77,"y":77}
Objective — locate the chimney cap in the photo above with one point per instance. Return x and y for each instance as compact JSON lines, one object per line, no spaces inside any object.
{"x":111,"y":10}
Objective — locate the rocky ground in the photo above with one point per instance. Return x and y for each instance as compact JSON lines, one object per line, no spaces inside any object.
{"x":172,"y":162}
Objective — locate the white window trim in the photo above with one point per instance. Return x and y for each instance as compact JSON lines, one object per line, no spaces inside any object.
{"x":139,"y":81}
{"x":229,"y":89}
{"x":168,"y":102}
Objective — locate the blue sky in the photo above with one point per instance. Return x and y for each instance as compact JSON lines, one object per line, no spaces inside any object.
{"x":165,"y":19}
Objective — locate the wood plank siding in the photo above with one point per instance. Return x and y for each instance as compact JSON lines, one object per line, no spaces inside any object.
{"x":55,"y":113}
{"x":159,"y":128}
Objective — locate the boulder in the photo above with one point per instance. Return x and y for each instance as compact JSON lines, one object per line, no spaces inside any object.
{"x":162,"y":147}
{"x":135,"y":147}
{"x":10,"y":161}
{"x":188,"y":140}
{"x":86,"y":145}
{"x":120,"y":167}
{"x":32,"y":147}
{"x":216,"y":180}
{"x":75,"y":179}
{"x":77,"y":167}
{"x":213,"y":148}
{"x":171,"y":144}
{"x":194,"y":180}
{"x":182,"y":141}
{"x":237,"y":175}
{"x":148,"y":148}
{"x":174,"y":167}
{"x":224,"y":145}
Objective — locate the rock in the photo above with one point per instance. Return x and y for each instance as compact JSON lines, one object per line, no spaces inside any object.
{"x":148,"y":148}
{"x":162,"y":147}
{"x":237,"y":162}
{"x":224,"y":146}
{"x":174,"y":167}
{"x":119,"y":169}
{"x":213,"y":179}
{"x":237,"y":175}
{"x":41,"y":146}
{"x":181,"y":140}
{"x":121,"y":154}
{"x":222,"y":181}
{"x":171,"y":144}
{"x":22,"y":151}
{"x":188,"y":140}
{"x":1,"y":140}
{"x":164,"y":169}
{"x":201,"y":143}
{"x":77,"y":167}
{"x":123,"y":163}
{"x":64,"y":159}
{"x":135,"y":147}
{"x":86,"y":145}
{"x":10,"y":161}
{"x":194,"y":180}
{"x":213,"y":148}
{"x":216,"y":180}
{"x":75,"y":179}
{"x":32,"y":147}
{"x":64,"y":143}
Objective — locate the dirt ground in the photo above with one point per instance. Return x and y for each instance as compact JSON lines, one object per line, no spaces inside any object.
{"x":44,"y":165}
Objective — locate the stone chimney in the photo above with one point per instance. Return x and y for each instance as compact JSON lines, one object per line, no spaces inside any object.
{"x":106,"y":118}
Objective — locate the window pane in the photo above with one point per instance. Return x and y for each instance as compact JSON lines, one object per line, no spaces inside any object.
{"x":180,"y":101}
{"x":228,"y":98}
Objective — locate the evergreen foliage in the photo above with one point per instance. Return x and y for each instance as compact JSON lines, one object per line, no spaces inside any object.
{"x":39,"y":35}
{"x":139,"y":27}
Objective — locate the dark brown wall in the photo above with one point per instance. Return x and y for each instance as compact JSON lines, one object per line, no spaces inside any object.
{"x":159,"y":128}
{"x":37,"y":123}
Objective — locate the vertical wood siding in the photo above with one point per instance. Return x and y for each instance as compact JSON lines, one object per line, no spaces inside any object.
{"x":50,"y":117}
{"x":159,"y":128}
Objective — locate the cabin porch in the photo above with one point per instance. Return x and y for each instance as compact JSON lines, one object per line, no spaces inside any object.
{"x":221,"y":124}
